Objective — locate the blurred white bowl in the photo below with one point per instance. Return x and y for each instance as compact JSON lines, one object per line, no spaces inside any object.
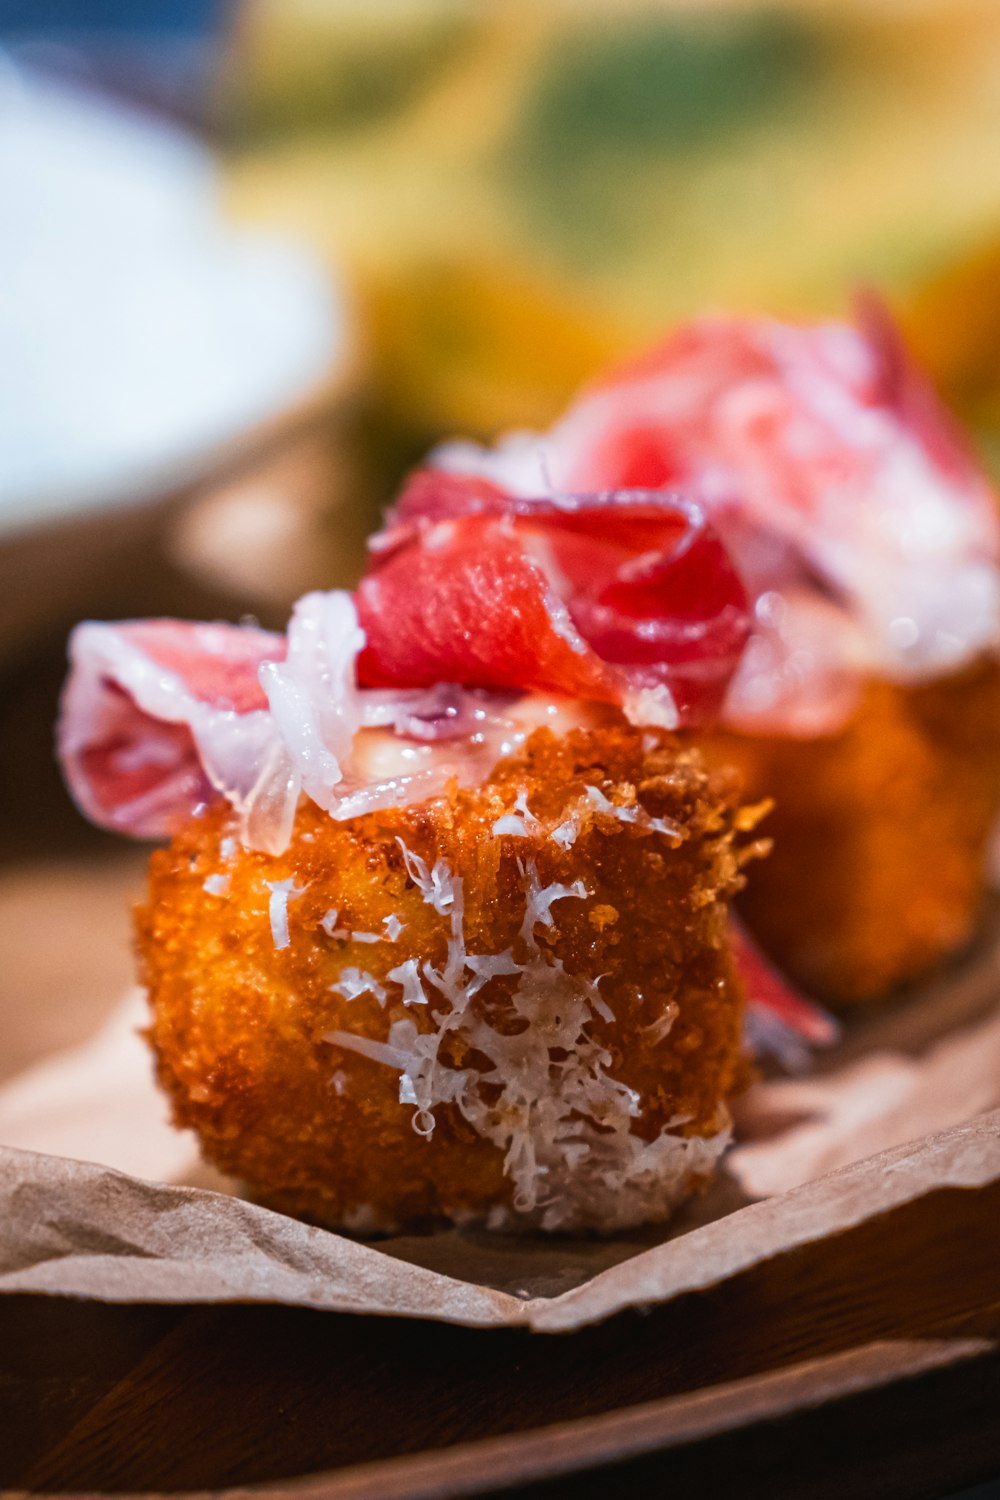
{"x":142,"y":338}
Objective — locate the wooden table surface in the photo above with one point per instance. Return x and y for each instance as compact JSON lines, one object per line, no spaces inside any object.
{"x":869,"y":1365}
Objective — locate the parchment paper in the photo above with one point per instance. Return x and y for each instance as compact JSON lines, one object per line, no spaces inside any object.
{"x":100,"y":1197}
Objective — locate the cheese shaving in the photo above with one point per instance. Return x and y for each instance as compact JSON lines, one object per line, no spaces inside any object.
{"x":282,"y":891}
{"x":354,"y":982}
{"x":521,"y":823}
{"x":662,"y":1026}
{"x":330,"y":925}
{"x":546,"y":1098}
{"x":636,"y":814}
{"x":436,"y":886}
{"x":408,"y":975}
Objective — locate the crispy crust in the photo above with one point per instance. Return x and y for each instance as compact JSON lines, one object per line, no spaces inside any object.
{"x":238,"y":1026}
{"x":879,"y":834}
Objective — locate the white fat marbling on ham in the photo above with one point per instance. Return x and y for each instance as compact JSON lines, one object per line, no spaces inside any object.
{"x":156,"y":715}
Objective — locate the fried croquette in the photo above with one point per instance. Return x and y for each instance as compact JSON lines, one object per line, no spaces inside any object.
{"x":512,"y":1004}
{"x":880,"y":833}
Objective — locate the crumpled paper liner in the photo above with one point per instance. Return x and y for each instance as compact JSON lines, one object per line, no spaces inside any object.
{"x":82,"y":1230}
{"x":100,"y":1197}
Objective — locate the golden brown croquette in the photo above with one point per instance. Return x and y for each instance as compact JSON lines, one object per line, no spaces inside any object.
{"x":880,"y":833}
{"x":512,"y":1003}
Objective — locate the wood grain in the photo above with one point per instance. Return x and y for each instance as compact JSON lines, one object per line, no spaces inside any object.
{"x":213,"y":1398}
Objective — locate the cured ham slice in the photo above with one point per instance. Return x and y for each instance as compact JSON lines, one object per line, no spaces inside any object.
{"x":157,"y":714}
{"x":626,"y":597}
{"x":865,"y":532}
{"x":780,"y":1021}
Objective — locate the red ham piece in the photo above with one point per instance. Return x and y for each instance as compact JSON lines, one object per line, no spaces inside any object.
{"x":865,"y":532}
{"x":766,"y":416}
{"x":627,"y":597}
{"x":779,"y":1018}
{"x":900,"y":386}
{"x":157,"y":714}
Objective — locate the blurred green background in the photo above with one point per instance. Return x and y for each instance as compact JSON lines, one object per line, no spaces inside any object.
{"x":519,"y":192}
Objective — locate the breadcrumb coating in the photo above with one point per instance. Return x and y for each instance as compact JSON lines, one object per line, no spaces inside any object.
{"x":880,"y":833}
{"x":259,"y":967}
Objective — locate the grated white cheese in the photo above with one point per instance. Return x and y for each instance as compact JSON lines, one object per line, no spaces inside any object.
{"x":513,"y":826}
{"x":282,"y":891}
{"x":408,"y":975}
{"x":602,"y":803}
{"x":330,"y":925}
{"x":566,"y":834}
{"x":407,"y":1093}
{"x":521,"y":823}
{"x":366,"y":1046}
{"x":435,"y":885}
{"x":636,"y":814}
{"x":354,"y":982}
{"x":601,"y":1006}
{"x":546,"y":1099}
{"x":393,"y":927}
{"x":540,"y":899}
{"x":216,"y":885}
{"x":662,"y":1026}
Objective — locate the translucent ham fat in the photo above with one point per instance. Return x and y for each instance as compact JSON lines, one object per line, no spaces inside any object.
{"x":158,"y":714}
{"x":854,"y":511}
{"x":626,"y":597}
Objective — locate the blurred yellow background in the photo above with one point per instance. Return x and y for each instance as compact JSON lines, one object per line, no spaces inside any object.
{"x":519,"y":192}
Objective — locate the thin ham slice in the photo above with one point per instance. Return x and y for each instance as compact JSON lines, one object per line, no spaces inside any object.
{"x":626,"y":597}
{"x":158,"y":714}
{"x":780,"y":1022}
{"x":853,"y":509}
